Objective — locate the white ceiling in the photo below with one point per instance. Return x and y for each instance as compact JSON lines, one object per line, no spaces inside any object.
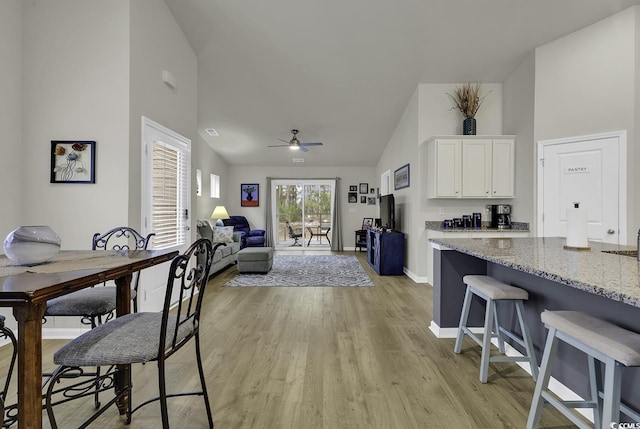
{"x":342,"y":71}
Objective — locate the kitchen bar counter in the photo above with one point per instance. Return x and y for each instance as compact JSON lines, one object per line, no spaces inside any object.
{"x":603,"y":285}
{"x":616,"y":277}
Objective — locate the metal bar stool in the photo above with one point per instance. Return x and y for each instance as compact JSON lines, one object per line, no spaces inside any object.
{"x":610,"y":344}
{"x":494,"y":291}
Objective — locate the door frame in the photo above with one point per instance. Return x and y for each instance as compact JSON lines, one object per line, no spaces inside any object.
{"x":275,"y":206}
{"x":621,"y":136}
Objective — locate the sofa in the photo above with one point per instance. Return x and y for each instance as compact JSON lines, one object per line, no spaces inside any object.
{"x":225,"y":255}
{"x":250,"y":237}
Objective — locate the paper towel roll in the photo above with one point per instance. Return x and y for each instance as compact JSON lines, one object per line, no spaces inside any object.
{"x":577,"y":227}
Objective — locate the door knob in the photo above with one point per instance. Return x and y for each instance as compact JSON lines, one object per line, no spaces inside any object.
{"x":611,"y":231}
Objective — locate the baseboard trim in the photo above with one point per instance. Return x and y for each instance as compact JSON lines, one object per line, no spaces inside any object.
{"x":563,"y":392}
{"x":414,"y":277}
{"x":62,"y":333}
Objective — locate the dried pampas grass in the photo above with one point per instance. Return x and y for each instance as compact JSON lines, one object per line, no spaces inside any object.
{"x":467,"y":99}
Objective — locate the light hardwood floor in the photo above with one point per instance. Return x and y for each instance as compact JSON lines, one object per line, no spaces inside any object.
{"x":310,"y":358}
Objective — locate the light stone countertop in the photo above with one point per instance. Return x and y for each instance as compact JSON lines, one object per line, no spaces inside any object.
{"x":616,"y":277}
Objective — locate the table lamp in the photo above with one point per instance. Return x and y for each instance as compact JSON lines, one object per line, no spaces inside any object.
{"x":219,"y":213}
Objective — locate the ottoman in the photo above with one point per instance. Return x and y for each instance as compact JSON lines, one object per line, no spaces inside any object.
{"x":255,"y":260}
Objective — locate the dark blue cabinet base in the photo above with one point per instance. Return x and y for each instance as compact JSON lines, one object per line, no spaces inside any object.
{"x":385,"y":252}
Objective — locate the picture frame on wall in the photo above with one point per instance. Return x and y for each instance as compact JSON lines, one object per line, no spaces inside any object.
{"x":371,"y":201}
{"x":363,"y":200}
{"x":364,"y":188}
{"x":73,"y":161}
{"x":353,"y":188}
{"x":401,"y":177}
{"x":249,"y":195}
{"x":353,"y":197}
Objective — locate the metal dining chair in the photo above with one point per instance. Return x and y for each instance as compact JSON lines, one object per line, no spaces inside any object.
{"x":97,"y":305}
{"x":141,"y":338}
{"x":7,"y":334}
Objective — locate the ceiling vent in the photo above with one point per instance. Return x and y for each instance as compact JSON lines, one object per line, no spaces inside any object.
{"x":212,"y":132}
{"x":298,"y":159}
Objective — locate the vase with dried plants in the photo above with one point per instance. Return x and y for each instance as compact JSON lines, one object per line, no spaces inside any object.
{"x":468,"y":99}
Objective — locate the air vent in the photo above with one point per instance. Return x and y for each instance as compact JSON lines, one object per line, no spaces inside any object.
{"x":298,"y":159}
{"x":212,"y":132}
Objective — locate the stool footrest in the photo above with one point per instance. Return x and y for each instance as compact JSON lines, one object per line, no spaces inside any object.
{"x":566,"y":410}
{"x":509,"y":359}
{"x":475,"y":337}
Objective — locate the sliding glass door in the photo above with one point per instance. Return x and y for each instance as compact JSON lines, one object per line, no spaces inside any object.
{"x":302,"y":213}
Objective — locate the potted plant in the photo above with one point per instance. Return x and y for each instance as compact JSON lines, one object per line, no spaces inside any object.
{"x":468,"y":100}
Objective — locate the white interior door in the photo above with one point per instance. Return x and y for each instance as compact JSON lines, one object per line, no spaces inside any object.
{"x":589,"y":170}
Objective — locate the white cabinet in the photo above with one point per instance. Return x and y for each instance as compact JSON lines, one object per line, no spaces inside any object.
{"x":471,"y":167}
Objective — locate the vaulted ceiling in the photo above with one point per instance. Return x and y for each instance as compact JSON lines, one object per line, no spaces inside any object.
{"x":342,"y":71}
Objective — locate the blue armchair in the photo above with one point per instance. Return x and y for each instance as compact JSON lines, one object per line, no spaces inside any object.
{"x":250,"y":237}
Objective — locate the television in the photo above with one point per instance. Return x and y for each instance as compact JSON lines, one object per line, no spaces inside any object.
{"x":387,"y":212}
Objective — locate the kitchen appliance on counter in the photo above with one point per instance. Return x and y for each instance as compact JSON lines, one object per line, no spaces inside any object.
{"x":501,"y":216}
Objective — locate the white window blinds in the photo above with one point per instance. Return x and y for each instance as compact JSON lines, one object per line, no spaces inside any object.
{"x":169,"y":198}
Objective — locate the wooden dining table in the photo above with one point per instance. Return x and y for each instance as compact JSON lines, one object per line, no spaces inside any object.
{"x":28,"y":288}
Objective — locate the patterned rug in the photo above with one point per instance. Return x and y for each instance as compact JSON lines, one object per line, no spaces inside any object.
{"x":308,"y":270}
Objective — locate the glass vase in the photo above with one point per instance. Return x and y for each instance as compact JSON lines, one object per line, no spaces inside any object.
{"x":31,"y":245}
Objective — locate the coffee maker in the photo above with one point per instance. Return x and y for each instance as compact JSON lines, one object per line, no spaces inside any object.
{"x":501,"y":216}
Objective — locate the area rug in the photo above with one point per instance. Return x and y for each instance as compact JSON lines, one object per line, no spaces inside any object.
{"x":308,"y":270}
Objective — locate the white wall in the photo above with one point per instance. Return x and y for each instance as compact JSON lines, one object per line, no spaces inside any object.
{"x":75,"y":87}
{"x":429,"y":113}
{"x":10,"y":115}
{"x":587,"y":83}
{"x":209,"y":162}
{"x":157,"y":44}
{"x":352,"y":214}
{"x":518,"y":119}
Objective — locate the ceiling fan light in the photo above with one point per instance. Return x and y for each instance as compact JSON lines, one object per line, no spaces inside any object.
{"x":294,"y":147}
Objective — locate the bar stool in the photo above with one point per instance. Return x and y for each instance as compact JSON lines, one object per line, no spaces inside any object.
{"x":494,"y":291}
{"x":610,"y":344}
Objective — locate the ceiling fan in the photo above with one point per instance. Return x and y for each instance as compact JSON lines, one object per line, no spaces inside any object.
{"x":295,"y":144}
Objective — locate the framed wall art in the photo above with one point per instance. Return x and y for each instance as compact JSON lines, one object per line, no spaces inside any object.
{"x":249,"y":195}
{"x":73,"y":161}
{"x":353,"y":197}
{"x":364,"y":188}
{"x":353,"y":188}
{"x":401,"y":177}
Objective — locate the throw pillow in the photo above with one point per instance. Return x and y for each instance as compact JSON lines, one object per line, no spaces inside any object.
{"x":223,"y":234}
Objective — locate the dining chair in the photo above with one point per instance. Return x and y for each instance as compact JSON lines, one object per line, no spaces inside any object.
{"x":7,"y":334}
{"x":97,"y":305}
{"x":141,"y":338}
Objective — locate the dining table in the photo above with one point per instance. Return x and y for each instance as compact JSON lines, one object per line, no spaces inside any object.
{"x":28,"y":288}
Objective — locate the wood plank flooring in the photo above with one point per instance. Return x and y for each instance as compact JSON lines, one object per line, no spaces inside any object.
{"x":311,"y":358}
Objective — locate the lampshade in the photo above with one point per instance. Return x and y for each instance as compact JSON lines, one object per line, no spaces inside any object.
{"x":219,"y":213}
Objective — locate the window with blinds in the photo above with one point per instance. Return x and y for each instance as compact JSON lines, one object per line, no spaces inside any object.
{"x":169,"y":198}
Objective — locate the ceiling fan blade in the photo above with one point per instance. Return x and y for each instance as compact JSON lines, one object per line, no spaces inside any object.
{"x":279,"y":145}
{"x":303,"y":149}
{"x":312,"y":144}
{"x":286,"y":141}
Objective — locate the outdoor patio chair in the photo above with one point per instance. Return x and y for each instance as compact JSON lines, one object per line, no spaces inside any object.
{"x":294,"y":235}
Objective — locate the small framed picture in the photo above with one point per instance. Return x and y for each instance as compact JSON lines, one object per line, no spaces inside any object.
{"x":73,"y":161}
{"x":401,"y":177}
{"x":364,"y":188}
{"x":367,"y":222}
{"x":371,"y":201}
{"x":372,"y":190}
{"x":353,"y":197}
{"x":249,"y":195}
{"x":363,"y":200}
{"x":353,"y":188}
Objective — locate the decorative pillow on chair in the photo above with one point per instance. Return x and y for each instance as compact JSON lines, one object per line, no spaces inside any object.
{"x":223,"y":234}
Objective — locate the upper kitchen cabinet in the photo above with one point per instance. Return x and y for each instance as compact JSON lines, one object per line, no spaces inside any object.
{"x":470,"y":166}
